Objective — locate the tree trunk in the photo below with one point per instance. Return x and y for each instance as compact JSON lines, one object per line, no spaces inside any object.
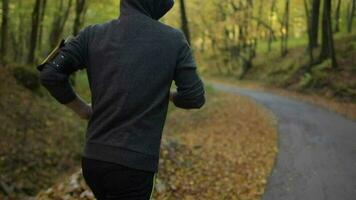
{"x":59,"y":22}
{"x":310,"y":47}
{"x":327,"y":47}
{"x":21,"y":35}
{"x":79,"y":15}
{"x":314,"y":23}
{"x":4,"y":30}
{"x":351,"y":16}
{"x":34,"y":31}
{"x":337,"y":17}
{"x":42,"y":15}
{"x":285,"y":29}
{"x":271,"y":34}
{"x":184,"y":20}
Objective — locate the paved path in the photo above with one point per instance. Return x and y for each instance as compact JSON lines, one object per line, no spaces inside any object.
{"x":317,"y":150}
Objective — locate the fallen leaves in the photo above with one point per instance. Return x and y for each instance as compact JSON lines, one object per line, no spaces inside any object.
{"x":225,"y":151}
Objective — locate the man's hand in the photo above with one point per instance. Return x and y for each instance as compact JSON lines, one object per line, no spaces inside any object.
{"x":82,"y":109}
{"x":172,"y":96}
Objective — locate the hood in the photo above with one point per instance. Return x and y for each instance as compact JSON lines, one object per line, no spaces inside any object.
{"x":155,"y":9}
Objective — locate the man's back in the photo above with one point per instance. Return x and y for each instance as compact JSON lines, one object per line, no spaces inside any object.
{"x":131,"y":65}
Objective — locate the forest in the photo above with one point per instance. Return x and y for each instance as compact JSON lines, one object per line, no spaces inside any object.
{"x":300,"y":48}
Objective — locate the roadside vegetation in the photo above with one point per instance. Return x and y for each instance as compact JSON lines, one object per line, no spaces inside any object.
{"x":42,"y":140}
{"x":324,"y":86}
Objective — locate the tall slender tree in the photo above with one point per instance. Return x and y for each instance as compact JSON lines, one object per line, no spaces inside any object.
{"x":285,"y":29}
{"x":351,"y":15}
{"x":271,"y":33}
{"x":327,"y":46}
{"x":34,"y":31}
{"x":184,"y":20}
{"x":80,"y":7}
{"x":4,"y":30}
{"x":59,"y":22}
{"x":314,"y":23}
{"x":41,"y":21}
{"x":337,"y":17}
{"x":310,"y":47}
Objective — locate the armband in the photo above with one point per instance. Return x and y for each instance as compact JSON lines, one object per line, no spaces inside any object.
{"x":52,"y":55}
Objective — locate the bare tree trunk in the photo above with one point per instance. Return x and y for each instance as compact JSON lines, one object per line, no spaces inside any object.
{"x":34,"y":31}
{"x":351,"y":16}
{"x":20,"y":34}
{"x":271,"y":35}
{"x":42,"y":15}
{"x":4,"y":30}
{"x":285,"y":30}
{"x":79,"y":15}
{"x":327,"y":48}
{"x":184,"y":20}
{"x":59,"y":22}
{"x":314,"y":23}
{"x":337,"y":17}
{"x":310,"y":47}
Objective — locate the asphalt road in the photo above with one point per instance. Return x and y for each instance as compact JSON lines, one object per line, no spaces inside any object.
{"x":317,"y":150}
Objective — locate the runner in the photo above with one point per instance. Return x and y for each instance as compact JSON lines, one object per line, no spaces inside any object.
{"x":131,"y":63}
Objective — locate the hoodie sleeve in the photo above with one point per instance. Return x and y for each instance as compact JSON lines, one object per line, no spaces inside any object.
{"x":190,"y":88}
{"x":55,"y":74}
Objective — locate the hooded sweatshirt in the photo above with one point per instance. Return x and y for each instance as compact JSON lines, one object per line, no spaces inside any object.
{"x":131,"y":63}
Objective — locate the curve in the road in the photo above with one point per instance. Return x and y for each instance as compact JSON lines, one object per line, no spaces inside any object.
{"x":317,"y":150}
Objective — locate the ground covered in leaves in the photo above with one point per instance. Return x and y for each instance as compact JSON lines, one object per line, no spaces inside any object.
{"x":225,"y":151}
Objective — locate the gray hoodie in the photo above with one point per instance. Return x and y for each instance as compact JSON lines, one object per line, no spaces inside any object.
{"x":131,"y":63}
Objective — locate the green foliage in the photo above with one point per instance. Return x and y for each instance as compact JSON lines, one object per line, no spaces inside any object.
{"x":291,"y":71}
{"x":26,"y":77}
{"x":318,"y":77}
{"x":343,"y":91}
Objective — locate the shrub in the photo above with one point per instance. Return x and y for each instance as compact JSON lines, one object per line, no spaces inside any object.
{"x":28,"y":78}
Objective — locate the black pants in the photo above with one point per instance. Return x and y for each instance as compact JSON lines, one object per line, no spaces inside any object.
{"x":113,"y":181}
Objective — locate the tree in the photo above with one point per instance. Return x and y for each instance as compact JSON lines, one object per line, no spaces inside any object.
{"x":310,"y":47}
{"x":314,"y":24}
{"x":80,"y":7}
{"x":351,"y":14}
{"x":34,"y":31}
{"x":184,"y":20}
{"x":337,"y":17}
{"x":327,"y":46}
{"x":42,"y":15}
{"x":59,"y":21}
{"x":271,"y":33}
{"x":4,"y":30}
{"x":285,"y":29}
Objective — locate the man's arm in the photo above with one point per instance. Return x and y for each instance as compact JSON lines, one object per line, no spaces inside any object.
{"x":55,"y":75}
{"x":82,"y":109}
{"x":190,"y":88}
{"x":56,"y":81}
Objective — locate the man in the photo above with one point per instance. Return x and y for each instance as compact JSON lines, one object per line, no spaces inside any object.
{"x":131,"y":63}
